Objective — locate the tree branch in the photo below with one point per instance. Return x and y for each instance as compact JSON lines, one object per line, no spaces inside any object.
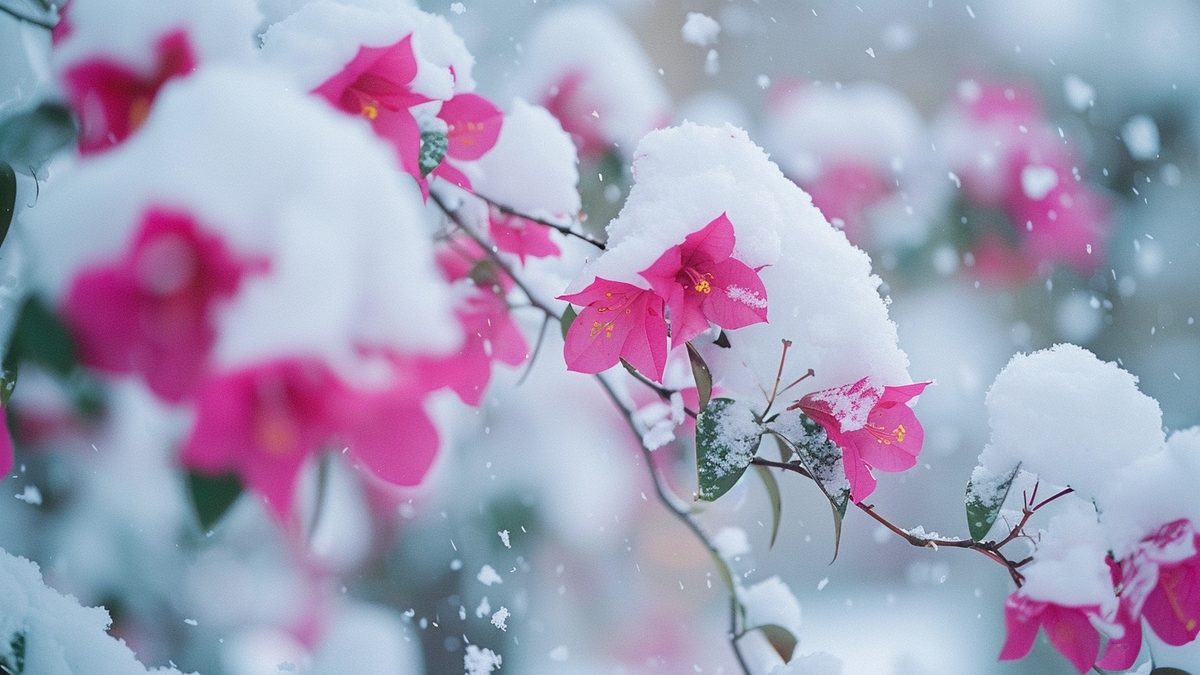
{"x":565,"y":229}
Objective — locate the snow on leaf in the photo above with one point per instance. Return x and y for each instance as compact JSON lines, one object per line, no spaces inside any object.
{"x":985,"y":496}
{"x":727,"y":437}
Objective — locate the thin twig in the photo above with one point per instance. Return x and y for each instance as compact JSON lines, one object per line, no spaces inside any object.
{"x":27,"y":18}
{"x":565,"y":229}
{"x":537,"y":349}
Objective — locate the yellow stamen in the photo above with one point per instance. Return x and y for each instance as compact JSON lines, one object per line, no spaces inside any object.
{"x":370,"y":112}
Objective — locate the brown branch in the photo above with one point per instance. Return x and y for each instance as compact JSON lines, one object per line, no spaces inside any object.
{"x":565,"y":229}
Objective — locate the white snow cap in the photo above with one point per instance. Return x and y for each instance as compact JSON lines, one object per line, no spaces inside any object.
{"x":321,"y":38}
{"x":865,"y":122}
{"x":771,"y":602}
{"x":1155,"y":490}
{"x":60,"y":635}
{"x":1068,"y":566}
{"x":279,"y":175}
{"x":128,"y":31}
{"x":821,"y":294}
{"x":1070,"y":418}
{"x":533,"y":167}
{"x":591,"y":41}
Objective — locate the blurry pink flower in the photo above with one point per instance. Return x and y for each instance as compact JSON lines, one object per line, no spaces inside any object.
{"x":576,"y":111}
{"x":872,"y":425}
{"x":151,"y":312}
{"x":263,"y":422}
{"x":375,"y":84}
{"x":844,"y":191}
{"x":514,"y":234}
{"x":1121,"y":652}
{"x":701,"y":282}
{"x":618,"y":321}
{"x":6,"y":446}
{"x":489,"y":331}
{"x":1068,"y":628}
{"x":63,"y":28}
{"x":473,"y":126}
{"x":112,"y":100}
{"x":1161,"y":582}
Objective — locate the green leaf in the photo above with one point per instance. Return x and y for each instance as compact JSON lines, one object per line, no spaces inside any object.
{"x":723,"y":571}
{"x":781,"y":639}
{"x":8,"y":384}
{"x":212,"y":496}
{"x":568,"y":318}
{"x":785,"y":449}
{"x":839,"y":505}
{"x":722,"y":341}
{"x":40,"y":336}
{"x":8,"y":197}
{"x":29,"y":138}
{"x":13,"y":663}
{"x":772,"y":486}
{"x":727,"y":436}
{"x":985,"y":496}
{"x":702,"y":376}
{"x":823,"y":459}
{"x":433,"y":150}
{"x":1168,"y":671}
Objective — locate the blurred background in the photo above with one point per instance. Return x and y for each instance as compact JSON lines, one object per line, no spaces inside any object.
{"x":1022,"y":174}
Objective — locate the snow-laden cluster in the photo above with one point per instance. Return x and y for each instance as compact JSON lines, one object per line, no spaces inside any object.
{"x":1123,"y":546}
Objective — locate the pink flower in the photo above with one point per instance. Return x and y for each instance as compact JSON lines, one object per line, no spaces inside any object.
{"x":872,"y":425}
{"x":112,"y":100}
{"x":375,"y":84}
{"x":490,"y":333}
{"x":263,"y":422}
{"x":473,"y":126}
{"x":569,"y":102}
{"x":151,"y":312}
{"x":700,"y":282}
{"x":6,"y":446}
{"x":514,"y":234}
{"x":844,"y":191}
{"x":1121,"y":652}
{"x":63,"y":28}
{"x":618,"y":321}
{"x":1161,"y":581}
{"x":1068,"y":628}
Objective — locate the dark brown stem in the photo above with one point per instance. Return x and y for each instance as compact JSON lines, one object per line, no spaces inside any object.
{"x":565,"y":229}
{"x":27,"y":18}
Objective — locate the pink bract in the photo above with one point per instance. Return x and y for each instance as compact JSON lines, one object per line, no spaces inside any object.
{"x":473,"y":126}
{"x":375,"y":85}
{"x":151,"y":312}
{"x":873,"y":426}
{"x":1068,"y":629}
{"x":264,"y":421}
{"x":514,"y":234}
{"x":6,"y":446}
{"x":568,"y":100}
{"x":844,"y":191}
{"x":701,"y":282}
{"x":618,"y":321}
{"x":113,"y":100}
{"x":1169,"y":563}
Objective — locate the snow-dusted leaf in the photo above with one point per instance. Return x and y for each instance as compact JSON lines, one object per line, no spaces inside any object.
{"x":772,"y":486}
{"x":781,"y":639}
{"x":433,"y":150}
{"x":702,"y":375}
{"x":985,"y":496}
{"x":1169,"y":671}
{"x":8,"y":197}
{"x":568,"y":318}
{"x":8,"y":384}
{"x":727,"y":437}
{"x":823,"y":460}
{"x":212,"y":496}
{"x":13,"y":662}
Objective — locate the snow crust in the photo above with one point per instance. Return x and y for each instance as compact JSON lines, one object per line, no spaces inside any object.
{"x":61,"y":636}
{"x":821,"y":293}
{"x":621,"y":81}
{"x":1068,"y":417}
{"x":280,"y":175}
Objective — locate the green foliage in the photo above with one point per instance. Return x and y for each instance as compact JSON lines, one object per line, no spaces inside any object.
{"x":13,"y":663}
{"x":8,"y":197}
{"x":433,"y":151}
{"x":702,"y":376}
{"x":29,"y":138}
{"x":984,"y":501}
{"x":823,"y":460}
{"x":781,"y":639}
{"x":41,"y":337}
{"x":725,"y":444}
{"x":772,"y":486}
{"x":1168,"y":671}
{"x":212,"y":496}
{"x":568,"y":318}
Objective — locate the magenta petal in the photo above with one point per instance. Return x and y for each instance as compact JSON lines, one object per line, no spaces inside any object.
{"x":6,"y":446}
{"x":892,"y":438}
{"x":862,"y":482}
{"x":513,"y":234}
{"x":1022,"y":618}
{"x":1173,"y":608}
{"x":1120,"y":654}
{"x":618,"y":320}
{"x":738,"y":296}
{"x":714,"y":241}
{"x":451,"y":174}
{"x":401,"y":130}
{"x":473,"y":126}
{"x":1073,"y":635}
{"x":393,"y":436}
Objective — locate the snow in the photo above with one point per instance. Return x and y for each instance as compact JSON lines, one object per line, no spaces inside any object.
{"x":1080,"y":95}
{"x":1153,"y":491}
{"x":656,"y":423}
{"x":771,"y":602}
{"x":1068,"y":567}
{"x":500,"y":618}
{"x":1069,"y":418}
{"x":820,"y":290}
{"x":477,"y":661}
{"x":700,"y":29}
{"x":559,"y":653}
{"x":1038,"y":181}
{"x":61,"y":636}
{"x":532,"y":167}
{"x":731,"y":543}
{"x":488,"y":576}
{"x":1140,"y":134}
{"x":31,"y":495}
{"x":302,"y":186}
{"x":818,"y":663}
{"x":619,"y":77}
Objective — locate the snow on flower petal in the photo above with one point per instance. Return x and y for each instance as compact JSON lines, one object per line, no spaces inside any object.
{"x":513,"y":234}
{"x":618,"y":321}
{"x":152,"y":311}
